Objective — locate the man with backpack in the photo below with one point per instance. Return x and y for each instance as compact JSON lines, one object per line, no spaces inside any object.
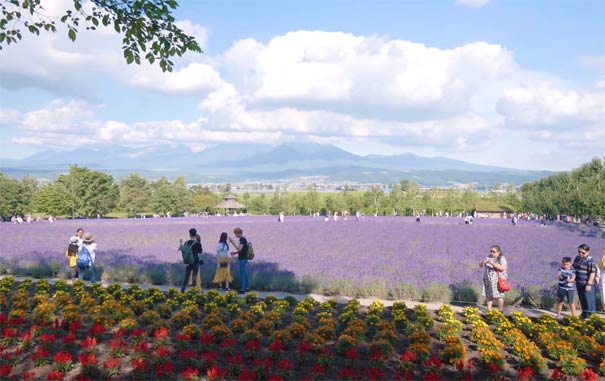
{"x":242,"y":259}
{"x":190,"y":250}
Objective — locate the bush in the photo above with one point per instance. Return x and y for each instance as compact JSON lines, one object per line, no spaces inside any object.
{"x":466,"y":292}
{"x":436,"y":292}
{"x":405,"y":291}
{"x":157,"y":275}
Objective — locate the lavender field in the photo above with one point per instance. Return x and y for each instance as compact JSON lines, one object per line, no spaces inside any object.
{"x":392,"y":257}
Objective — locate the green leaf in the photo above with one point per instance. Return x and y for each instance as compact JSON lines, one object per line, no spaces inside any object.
{"x":33,"y":29}
{"x":64,"y":18}
{"x":77,"y":5}
{"x":116,"y":26}
{"x":72,"y":35}
{"x":105,"y":20}
{"x":95,"y":21}
{"x":3,"y":36}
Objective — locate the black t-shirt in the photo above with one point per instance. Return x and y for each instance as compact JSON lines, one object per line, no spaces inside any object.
{"x":196,"y":249}
{"x":243,"y":252}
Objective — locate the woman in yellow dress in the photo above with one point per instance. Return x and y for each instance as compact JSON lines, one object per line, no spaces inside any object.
{"x":223,"y":269}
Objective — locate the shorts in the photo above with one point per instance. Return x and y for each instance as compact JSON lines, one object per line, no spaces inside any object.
{"x":563,"y":294}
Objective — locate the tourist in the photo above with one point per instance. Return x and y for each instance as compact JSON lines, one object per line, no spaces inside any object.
{"x":566,"y":286}
{"x":223,"y":269}
{"x":494,"y":265}
{"x":242,"y":257}
{"x":602,"y":282}
{"x":71,"y":253}
{"x":199,"y":264}
{"x":79,"y":236}
{"x":586,"y":271}
{"x":88,"y":243}
{"x":196,"y":248}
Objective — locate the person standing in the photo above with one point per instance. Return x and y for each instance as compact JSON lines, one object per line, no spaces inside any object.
{"x":602,"y":267}
{"x":223,"y":270}
{"x":200,"y":263}
{"x":196,"y":249}
{"x":71,"y":253}
{"x":242,"y":258}
{"x":80,"y":237}
{"x":495,"y":264}
{"x":88,"y":243}
{"x":586,"y":271}
{"x":566,"y":278}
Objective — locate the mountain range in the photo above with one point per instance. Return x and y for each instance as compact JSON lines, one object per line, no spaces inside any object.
{"x":246,"y":162}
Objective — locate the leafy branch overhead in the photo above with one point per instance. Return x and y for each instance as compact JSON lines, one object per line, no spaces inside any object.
{"x":147,"y":26}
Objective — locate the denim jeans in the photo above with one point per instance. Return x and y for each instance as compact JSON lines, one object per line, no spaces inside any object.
{"x":244,"y":278}
{"x":587,"y":300}
{"x":91,"y":270}
{"x":192,"y":268}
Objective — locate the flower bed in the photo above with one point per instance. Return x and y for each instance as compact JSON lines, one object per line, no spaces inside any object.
{"x":56,"y":332}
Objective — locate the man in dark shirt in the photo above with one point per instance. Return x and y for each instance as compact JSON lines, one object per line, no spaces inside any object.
{"x":242,"y":259}
{"x":196,"y":249}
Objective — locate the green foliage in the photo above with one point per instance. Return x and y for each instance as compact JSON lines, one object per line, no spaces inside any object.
{"x":579,"y":193}
{"x":147,"y":27}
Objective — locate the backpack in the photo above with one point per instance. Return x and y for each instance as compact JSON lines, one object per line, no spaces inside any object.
{"x":83,"y":259}
{"x":250,"y":253}
{"x":187,"y":252}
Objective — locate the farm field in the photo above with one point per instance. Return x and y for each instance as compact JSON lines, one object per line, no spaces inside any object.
{"x":64,"y":332}
{"x":388,"y":257}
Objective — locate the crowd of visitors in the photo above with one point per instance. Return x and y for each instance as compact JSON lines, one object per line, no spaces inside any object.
{"x":583,"y":274}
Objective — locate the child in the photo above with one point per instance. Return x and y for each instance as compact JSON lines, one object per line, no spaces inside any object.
{"x":566,"y":288}
{"x":71,"y":254}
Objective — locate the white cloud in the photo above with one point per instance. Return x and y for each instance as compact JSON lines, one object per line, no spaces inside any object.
{"x":473,"y":3}
{"x":194,"y":78}
{"x":364,"y":76}
{"x":8,"y":116}
{"x":60,"y":116}
{"x":594,"y":62}
{"x":542,"y":105}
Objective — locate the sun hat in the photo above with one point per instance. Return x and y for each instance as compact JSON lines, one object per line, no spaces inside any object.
{"x":88,"y":237}
{"x":73,"y":239}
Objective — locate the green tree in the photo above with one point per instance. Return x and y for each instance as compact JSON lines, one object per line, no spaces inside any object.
{"x":146,"y":26}
{"x":9,"y":196}
{"x":134,"y":194}
{"x":83,"y":192}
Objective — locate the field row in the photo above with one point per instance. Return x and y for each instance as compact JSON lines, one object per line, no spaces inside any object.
{"x":61,"y":332}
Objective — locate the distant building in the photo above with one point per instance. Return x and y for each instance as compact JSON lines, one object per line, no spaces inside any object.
{"x":491,"y":214}
{"x":230,"y":205}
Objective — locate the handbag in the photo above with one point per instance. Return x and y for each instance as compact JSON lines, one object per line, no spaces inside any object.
{"x":503,"y":284}
{"x":224,"y":264}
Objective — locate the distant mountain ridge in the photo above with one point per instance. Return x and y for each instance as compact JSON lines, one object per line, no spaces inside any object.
{"x":238,"y":162}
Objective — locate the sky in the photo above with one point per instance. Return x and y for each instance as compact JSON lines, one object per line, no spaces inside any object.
{"x":512,"y":83}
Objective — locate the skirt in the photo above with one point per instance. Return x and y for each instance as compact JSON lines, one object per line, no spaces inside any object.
{"x":223,"y":274}
{"x":490,"y":285}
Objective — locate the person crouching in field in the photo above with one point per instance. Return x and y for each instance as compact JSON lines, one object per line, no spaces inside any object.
{"x":71,"y":253}
{"x":242,"y":257}
{"x":223,"y":270}
{"x":566,"y":287}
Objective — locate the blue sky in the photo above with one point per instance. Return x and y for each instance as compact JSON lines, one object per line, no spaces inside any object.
{"x":510,"y":83}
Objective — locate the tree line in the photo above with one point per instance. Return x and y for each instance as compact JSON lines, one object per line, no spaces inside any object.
{"x":579,"y":193}
{"x":86,"y":193}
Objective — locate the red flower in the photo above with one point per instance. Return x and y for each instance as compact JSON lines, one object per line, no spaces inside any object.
{"x":62,"y":357}
{"x":40,"y":353}
{"x":247,"y":375}
{"x":45,"y":338}
{"x":87,"y":359}
{"x":70,"y":338}
{"x":162,"y":352}
{"x":557,"y":375}
{"x":589,"y":375}
{"x":275,"y":377}
{"x":284,"y":364}
{"x":352,"y":354}
{"x":303,"y":348}
{"x":374,"y":374}
{"x":187,"y":353}
{"x":317,"y":370}
{"x":28,"y":375}
{"x":276,"y":346}
{"x":97,"y":330}
{"x":433,"y":362}
{"x":160,"y":333}
{"x":191,"y":374}
{"x":235,"y":360}
{"x":111,"y":363}
{"x":5,"y":370}
{"x":526,"y":374}
{"x":182,"y":337}
{"x":432,"y":376}
{"x":55,"y":375}
{"x":209,"y":357}
{"x":347,"y":374}
{"x":89,"y":344}
{"x":74,"y":326}
{"x":493,"y":368}
{"x":228,"y":343}
{"x":206,"y":338}
{"x":408,"y":356}
{"x":252,"y":345}
{"x":215,"y":373}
